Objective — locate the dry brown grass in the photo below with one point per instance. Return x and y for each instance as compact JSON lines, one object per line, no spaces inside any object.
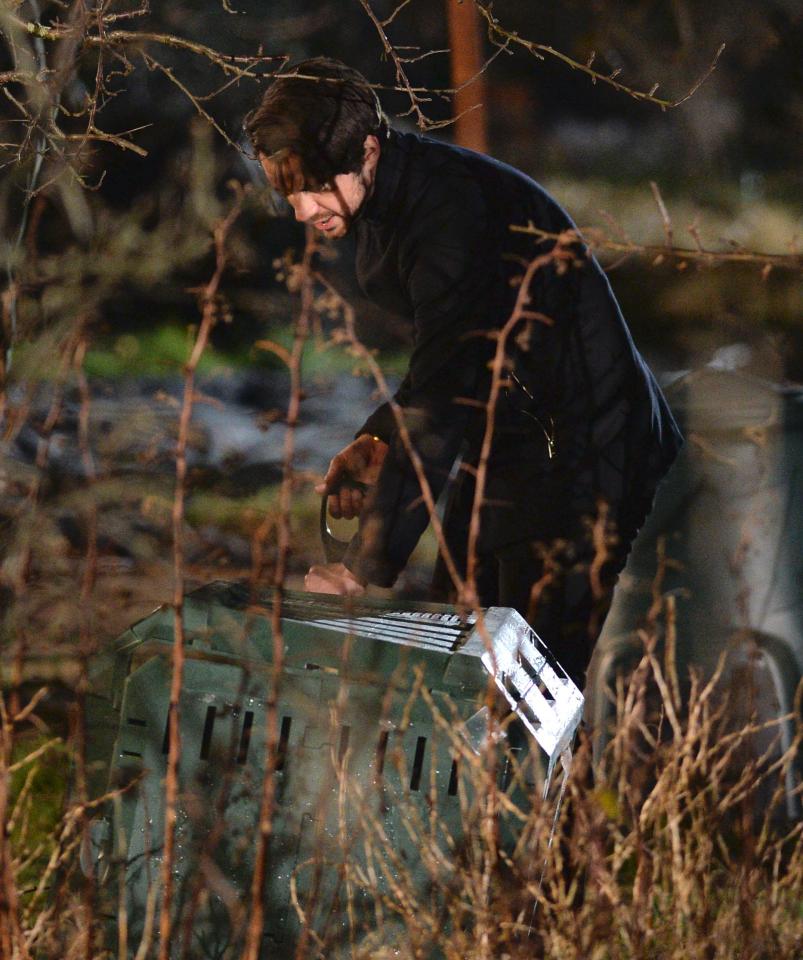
{"x":676,"y":847}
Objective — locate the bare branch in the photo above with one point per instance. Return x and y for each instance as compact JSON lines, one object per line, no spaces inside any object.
{"x":596,"y":240}
{"x":541,"y":50}
{"x":664,"y":213}
{"x":350,"y":337}
{"x":401,"y":77}
{"x":388,"y":20}
{"x":209,"y":315}
{"x":92,"y":133}
{"x":168,"y":72}
{"x":236,"y":65}
{"x":498,"y":380}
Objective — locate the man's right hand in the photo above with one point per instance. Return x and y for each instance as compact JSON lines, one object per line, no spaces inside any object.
{"x":360,"y":460}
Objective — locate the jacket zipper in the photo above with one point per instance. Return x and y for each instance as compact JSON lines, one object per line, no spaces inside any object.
{"x":549,"y":435}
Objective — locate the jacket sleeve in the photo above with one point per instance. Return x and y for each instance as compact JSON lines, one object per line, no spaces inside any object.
{"x":446,"y":275}
{"x":381,"y":423}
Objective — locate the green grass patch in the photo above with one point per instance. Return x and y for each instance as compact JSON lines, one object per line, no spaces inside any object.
{"x":163,"y":349}
{"x":36,"y":804}
{"x":243,"y":515}
{"x":324,"y":358}
{"x":166,"y":348}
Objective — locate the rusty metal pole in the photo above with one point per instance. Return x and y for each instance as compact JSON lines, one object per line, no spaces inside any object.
{"x":466,"y":43}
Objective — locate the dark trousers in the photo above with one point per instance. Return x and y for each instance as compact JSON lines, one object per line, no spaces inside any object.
{"x":561,"y":584}
{"x":558,"y":591}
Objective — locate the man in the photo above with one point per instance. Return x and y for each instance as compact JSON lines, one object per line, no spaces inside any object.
{"x":581,"y":433}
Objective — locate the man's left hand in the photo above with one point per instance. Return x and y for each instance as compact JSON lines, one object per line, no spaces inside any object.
{"x":333,"y":578}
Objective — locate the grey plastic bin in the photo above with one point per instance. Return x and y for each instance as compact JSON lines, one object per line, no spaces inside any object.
{"x":363,"y":768}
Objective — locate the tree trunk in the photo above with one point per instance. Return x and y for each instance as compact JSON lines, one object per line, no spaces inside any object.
{"x":465,"y":40}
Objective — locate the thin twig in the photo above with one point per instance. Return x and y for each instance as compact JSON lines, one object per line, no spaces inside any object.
{"x":361,"y":351}
{"x":401,"y":77}
{"x":597,"y":240}
{"x":208,"y":317}
{"x":268,"y":790}
{"x":667,"y":222}
{"x":541,"y":50}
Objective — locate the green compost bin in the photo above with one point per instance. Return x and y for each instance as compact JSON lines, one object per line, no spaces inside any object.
{"x":360,"y":708}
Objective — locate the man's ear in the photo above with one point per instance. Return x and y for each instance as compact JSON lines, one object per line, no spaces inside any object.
{"x":371,"y":152}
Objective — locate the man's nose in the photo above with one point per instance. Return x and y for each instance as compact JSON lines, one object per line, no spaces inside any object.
{"x":303,"y":206}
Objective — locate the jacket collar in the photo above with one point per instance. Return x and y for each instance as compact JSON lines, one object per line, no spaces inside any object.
{"x":392,"y":159}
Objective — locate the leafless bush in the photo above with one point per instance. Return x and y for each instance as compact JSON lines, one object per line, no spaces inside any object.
{"x":662,"y":849}
{"x":662,"y":855}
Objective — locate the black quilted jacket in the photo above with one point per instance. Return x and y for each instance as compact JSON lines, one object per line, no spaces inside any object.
{"x":434,"y":243}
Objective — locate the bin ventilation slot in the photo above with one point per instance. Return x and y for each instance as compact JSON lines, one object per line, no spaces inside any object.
{"x":209,"y":726}
{"x":245,"y":736}
{"x":381,"y":750}
{"x":136,"y":722}
{"x":511,"y":688}
{"x":418,"y":763}
{"x":344,"y":743}
{"x":425,"y":629}
{"x":535,"y":677}
{"x":452,"y":790}
{"x":527,"y":712}
{"x":166,"y":738}
{"x":284,"y":739}
{"x":537,"y":689}
{"x":131,"y":753}
{"x":521,"y":704}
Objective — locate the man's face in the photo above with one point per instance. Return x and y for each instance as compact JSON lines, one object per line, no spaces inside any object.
{"x":332,"y":207}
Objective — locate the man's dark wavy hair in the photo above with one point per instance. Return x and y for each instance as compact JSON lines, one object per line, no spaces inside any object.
{"x":312,"y":123}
